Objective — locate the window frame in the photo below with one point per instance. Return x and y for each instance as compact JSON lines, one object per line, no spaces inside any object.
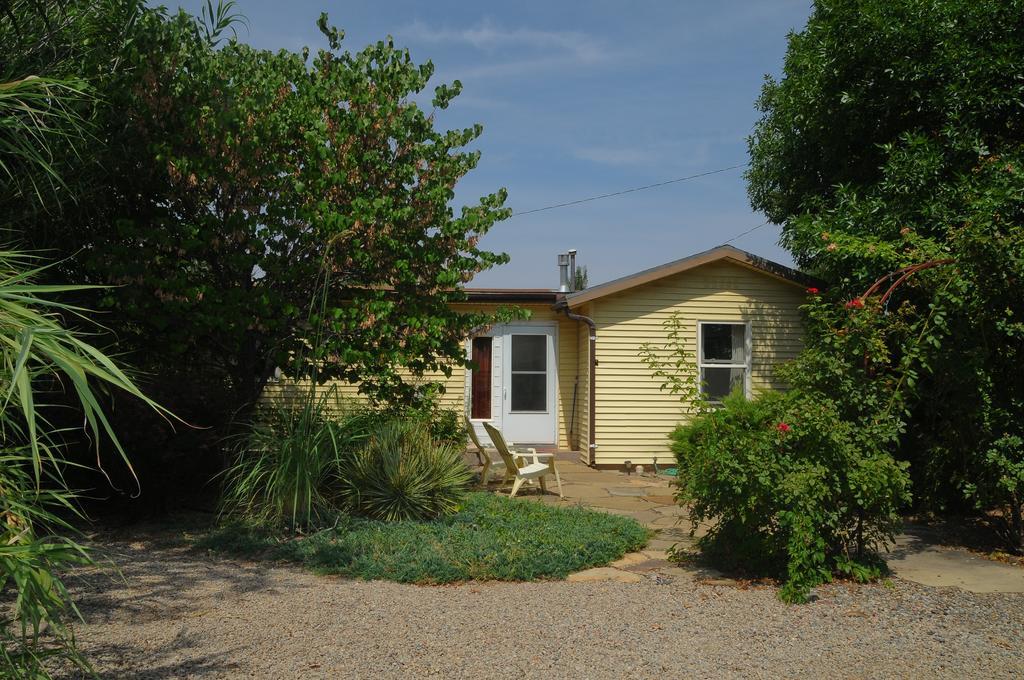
{"x":512,"y":372}
{"x":747,"y":350}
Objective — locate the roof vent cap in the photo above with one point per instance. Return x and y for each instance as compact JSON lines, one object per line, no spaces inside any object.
{"x":563,"y":273}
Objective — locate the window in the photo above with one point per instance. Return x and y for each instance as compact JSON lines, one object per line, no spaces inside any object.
{"x":529,"y":373}
{"x":723,"y":358}
{"x":480,"y":386}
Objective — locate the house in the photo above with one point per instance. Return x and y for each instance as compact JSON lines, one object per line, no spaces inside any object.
{"x":571,"y":378}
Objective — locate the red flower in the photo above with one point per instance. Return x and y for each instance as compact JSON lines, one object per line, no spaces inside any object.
{"x":783,"y":427}
{"x":855,"y":303}
{"x":812,"y":291}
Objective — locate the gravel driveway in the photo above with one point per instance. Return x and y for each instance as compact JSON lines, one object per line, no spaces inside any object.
{"x":179,"y":614}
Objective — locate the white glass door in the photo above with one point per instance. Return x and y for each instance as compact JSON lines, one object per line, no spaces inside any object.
{"x":528,"y":394}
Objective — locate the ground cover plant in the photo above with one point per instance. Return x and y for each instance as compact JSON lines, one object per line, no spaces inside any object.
{"x":489,"y":538}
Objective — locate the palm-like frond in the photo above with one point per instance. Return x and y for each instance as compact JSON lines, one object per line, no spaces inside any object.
{"x":38,"y":351}
{"x":39,"y":121}
{"x":35,"y":346}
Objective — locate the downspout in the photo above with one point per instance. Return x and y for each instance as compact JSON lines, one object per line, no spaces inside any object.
{"x":592,"y":382}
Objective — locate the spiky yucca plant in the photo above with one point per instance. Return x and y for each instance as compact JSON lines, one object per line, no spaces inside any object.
{"x":402,"y":474}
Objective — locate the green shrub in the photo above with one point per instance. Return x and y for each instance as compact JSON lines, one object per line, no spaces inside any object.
{"x":445,"y":424}
{"x":793,"y":489}
{"x":286,"y":465}
{"x":999,"y":483}
{"x":35,"y":551}
{"x":447,"y":427}
{"x":402,"y":474}
{"x":490,"y":538}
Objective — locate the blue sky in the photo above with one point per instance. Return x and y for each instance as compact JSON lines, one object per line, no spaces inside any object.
{"x":585,"y":98}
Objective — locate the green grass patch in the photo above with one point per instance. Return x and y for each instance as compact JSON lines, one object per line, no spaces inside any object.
{"x":491,"y":538}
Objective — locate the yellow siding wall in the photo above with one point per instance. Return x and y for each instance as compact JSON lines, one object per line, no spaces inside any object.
{"x":633,"y":416}
{"x":581,"y":441}
{"x":455,"y":385}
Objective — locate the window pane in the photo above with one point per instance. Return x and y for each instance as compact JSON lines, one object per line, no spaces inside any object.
{"x":529,"y":352}
{"x":480,"y":402}
{"x":719,"y":382}
{"x":529,"y":392}
{"x":724,"y":343}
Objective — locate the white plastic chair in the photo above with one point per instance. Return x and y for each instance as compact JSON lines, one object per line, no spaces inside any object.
{"x":523,"y":468}
{"x":488,"y":457}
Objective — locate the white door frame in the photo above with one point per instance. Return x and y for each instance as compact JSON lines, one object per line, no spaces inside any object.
{"x":540,"y":428}
{"x":534,"y":427}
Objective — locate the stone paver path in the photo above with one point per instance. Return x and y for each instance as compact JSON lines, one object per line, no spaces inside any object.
{"x":647,"y":499}
{"x":916,"y":557}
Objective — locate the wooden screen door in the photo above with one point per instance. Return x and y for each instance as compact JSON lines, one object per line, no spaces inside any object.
{"x":480,"y":387}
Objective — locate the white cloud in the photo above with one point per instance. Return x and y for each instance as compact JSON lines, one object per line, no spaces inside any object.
{"x":512,"y":52}
{"x":615,"y":156}
{"x":489,"y":37}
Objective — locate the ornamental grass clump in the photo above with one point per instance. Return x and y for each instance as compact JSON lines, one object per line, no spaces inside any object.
{"x":403,"y":474}
{"x":285,"y":472}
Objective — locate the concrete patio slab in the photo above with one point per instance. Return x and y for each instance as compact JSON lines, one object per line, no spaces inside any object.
{"x":630,"y":560}
{"x":634,"y":491}
{"x":622,"y":504}
{"x":669,"y":522}
{"x":647,"y":565}
{"x":645,"y":517}
{"x":916,"y":557}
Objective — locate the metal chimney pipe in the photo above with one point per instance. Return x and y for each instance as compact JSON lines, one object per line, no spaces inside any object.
{"x":572,"y":269}
{"x":563,"y":273}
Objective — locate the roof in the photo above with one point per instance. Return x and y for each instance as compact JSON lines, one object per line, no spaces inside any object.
{"x":727,"y":253}
{"x":513,"y":295}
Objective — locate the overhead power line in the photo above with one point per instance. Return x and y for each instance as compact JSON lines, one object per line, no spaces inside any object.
{"x":630,"y":191}
{"x":748,"y":231}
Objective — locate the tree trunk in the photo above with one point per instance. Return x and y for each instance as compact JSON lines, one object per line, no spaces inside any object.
{"x":1017,"y":521}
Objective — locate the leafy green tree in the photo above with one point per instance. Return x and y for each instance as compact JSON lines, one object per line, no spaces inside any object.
{"x":53,"y":54}
{"x":891,"y":151}
{"x":582,"y":279}
{"x":243,"y":183}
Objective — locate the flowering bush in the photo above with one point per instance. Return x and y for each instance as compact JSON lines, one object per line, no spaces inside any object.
{"x":803,"y":485}
{"x":792,"y":488}
{"x":929,"y":198}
